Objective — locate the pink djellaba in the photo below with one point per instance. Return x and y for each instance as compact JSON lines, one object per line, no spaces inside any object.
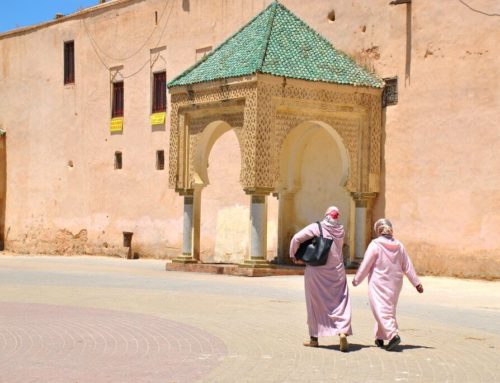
{"x":385,"y":262}
{"x":327,"y":294}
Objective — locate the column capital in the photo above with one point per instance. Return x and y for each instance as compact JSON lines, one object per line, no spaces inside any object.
{"x":363,"y":198}
{"x":363,"y":195}
{"x":258,"y":191}
{"x":185,"y":192}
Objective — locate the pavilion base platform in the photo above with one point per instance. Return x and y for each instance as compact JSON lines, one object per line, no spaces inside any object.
{"x":240,"y":270}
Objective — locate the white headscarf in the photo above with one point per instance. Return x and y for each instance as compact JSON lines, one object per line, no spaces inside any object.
{"x":383,"y":227}
{"x":332,"y":215}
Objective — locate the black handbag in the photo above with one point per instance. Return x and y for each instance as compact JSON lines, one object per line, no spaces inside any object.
{"x":314,"y":251}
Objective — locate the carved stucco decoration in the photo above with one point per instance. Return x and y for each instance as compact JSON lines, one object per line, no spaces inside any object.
{"x":182,"y":122}
{"x":268,"y":108}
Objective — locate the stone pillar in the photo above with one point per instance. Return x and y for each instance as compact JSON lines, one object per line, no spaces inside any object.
{"x":189,"y":232}
{"x":187,"y":227}
{"x":258,"y":232}
{"x":285,"y":214}
{"x":196,"y":223}
{"x":362,"y":224}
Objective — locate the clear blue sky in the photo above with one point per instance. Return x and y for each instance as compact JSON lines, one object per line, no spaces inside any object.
{"x":21,"y":13}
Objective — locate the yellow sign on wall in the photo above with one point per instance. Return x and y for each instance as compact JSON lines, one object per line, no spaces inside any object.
{"x":158,"y":118}
{"x":116,"y":124}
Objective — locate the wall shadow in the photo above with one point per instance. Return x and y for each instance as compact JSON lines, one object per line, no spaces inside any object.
{"x":380,"y":201}
{"x":3,"y":188}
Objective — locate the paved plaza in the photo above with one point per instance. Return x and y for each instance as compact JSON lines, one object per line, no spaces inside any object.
{"x":96,"y":319}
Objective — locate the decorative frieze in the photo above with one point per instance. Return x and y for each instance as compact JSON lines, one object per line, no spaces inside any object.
{"x":263,"y":113}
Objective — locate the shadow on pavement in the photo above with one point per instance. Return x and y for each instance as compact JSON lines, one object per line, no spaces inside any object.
{"x":403,"y":347}
{"x":352,"y":347}
{"x":357,"y":347}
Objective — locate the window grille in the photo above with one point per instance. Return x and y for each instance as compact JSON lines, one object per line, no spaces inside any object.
{"x":69,"y":62}
{"x":159,"y":92}
{"x":117,"y":108}
{"x":160,"y":160}
{"x":118,"y":160}
{"x":390,"y":93}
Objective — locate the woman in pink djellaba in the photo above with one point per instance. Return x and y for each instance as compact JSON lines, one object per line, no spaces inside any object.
{"x":385,"y":262}
{"x":327,"y":294}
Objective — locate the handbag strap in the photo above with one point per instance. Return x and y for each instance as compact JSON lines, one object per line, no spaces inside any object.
{"x":320,"y":230}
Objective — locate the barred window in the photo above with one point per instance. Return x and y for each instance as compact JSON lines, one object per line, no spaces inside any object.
{"x":159,"y":92}
{"x":160,"y":160}
{"x":390,"y":93}
{"x":69,"y":62}
{"x":117,"y":106}
{"x":118,"y":160}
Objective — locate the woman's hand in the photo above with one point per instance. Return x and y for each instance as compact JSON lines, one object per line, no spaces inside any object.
{"x":420,"y":288}
{"x":298,"y":261}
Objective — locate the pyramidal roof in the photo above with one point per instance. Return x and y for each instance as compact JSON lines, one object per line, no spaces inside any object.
{"x":277,"y":42}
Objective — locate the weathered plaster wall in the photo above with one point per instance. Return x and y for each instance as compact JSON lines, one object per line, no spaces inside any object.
{"x":440,"y":181}
{"x":52,"y":206}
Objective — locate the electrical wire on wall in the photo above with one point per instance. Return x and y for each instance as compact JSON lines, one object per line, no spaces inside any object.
{"x":477,"y":10}
{"x":103,"y":52}
{"x":100,"y":52}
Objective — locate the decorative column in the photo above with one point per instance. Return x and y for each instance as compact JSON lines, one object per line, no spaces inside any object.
{"x":190,"y":233}
{"x":362,"y":223}
{"x":258,"y":232}
{"x":285,"y":212}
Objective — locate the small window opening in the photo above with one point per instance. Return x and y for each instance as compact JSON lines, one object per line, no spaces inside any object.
{"x":117,"y":107}
{"x":160,"y":160}
{"x":159,"y":92}
{"x":200,"y":53}
{"x":331,"y":16}
{"x":69,"y":62}
{"x":118,"y":160}
{"x":156,"y":17}
{"x":390,"y":93}
{"x":127,"y":238}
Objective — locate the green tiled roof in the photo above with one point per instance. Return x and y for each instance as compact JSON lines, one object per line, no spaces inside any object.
{"x":277,"y":42}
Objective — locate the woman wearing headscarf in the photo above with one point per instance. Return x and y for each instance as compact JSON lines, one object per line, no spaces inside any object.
{"x":385,"y":262}
{"x":326,"y":289}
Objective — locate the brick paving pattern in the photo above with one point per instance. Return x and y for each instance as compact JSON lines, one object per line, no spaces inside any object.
{"x":49,"y":343}
{"x":95,"y":319}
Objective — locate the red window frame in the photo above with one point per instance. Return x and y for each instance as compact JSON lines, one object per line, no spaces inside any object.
{"x":69,"y":62}
{"x":117,"y":104}
{"x":159,"y":92}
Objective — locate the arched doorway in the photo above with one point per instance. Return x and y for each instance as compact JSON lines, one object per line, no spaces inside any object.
{"x":314,"y":167}
{"x":224,"y":218}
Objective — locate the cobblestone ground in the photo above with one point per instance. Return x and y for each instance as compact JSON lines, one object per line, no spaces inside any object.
{"x":95,"y":319}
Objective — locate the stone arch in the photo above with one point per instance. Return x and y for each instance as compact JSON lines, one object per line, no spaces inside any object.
{"x":210,"y":134}
{"x":293,"y":144}
{"x":295,"y":161}
{"x":223,"y":204}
